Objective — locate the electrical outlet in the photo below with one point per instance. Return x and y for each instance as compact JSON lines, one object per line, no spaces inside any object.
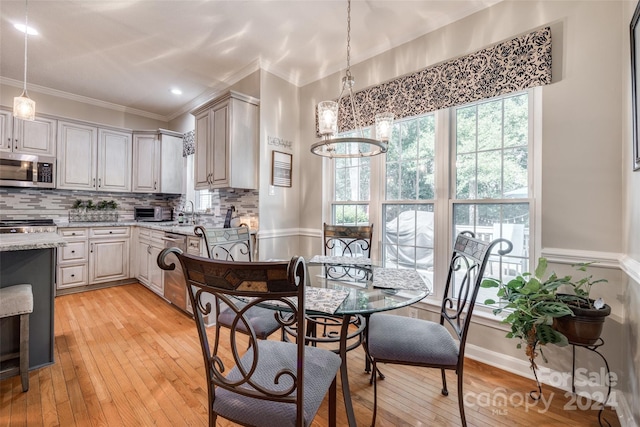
{"x":413,"y":313}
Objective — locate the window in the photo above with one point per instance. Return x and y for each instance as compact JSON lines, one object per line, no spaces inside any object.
{"x":464,"y":168}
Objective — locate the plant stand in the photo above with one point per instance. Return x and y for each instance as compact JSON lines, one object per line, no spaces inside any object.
{"x":593,"y":348}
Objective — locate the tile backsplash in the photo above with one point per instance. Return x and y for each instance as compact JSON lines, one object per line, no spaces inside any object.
{"x":19,"y":203}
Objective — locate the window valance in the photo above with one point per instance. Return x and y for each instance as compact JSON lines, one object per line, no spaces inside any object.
{"x":510,"y":66}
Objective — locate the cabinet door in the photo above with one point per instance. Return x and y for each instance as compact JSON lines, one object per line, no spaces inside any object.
{"x":201,"y":159}
{"x":220,"y":161}
{"x":77,"y":155}
{"x":114,"y":160}
{"x":6,"y":133}
{"x":156,"y":284}
{"x":144,"y":254}
{"x":36,"y":137}
{"x":146,"y":157}
{"x":108,"y":260}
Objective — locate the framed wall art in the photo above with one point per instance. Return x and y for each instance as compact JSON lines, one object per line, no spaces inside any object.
{"x":635,"y":81}
{"x":281,"y":166}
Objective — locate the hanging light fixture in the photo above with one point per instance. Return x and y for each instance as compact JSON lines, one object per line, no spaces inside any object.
{"x":24,"y":107}
{"x":351,"y":146}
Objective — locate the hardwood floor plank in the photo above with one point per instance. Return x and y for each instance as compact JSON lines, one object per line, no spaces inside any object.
{"x":124,"y":357}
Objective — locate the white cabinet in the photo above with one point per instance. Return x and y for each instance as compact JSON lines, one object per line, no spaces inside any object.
{"x":91,"y":158}
{"x":108,"y":254}
{"x":226,"y":139}
{"x":27,"y":137}
{"x":92,"y":255}
{"x":158,"y":162}
{"x":149,"y":246}
{"x":73,"y":259}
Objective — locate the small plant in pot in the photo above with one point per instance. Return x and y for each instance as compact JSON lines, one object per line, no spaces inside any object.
{"x":536,"y":308}
{"x":585,"y":326}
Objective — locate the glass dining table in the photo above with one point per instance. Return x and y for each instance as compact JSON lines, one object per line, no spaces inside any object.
{"x":342,"y":292}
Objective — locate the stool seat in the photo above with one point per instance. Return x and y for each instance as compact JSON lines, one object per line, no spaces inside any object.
{"x":17,"y":300}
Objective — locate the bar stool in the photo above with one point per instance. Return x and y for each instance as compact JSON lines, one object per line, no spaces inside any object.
{"x":17,"y":300}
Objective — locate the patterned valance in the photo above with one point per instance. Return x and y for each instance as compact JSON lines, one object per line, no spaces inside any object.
{"x":510,"y":66}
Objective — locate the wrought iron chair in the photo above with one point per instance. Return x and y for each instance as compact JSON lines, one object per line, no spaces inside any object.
{"x":271,"y":383}
{"x":343,"y":241}
{"x":346,"y":240}
{"x":234,"y":244}
{"x":406,"y":341}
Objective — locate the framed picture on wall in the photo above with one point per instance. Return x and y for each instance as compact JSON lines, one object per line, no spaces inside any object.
{"x":281,"y":166}
{"x":635,"y":81}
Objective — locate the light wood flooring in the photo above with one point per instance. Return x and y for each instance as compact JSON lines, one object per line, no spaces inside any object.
{"x":124,"y":357}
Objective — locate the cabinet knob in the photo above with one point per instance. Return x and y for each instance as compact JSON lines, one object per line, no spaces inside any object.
{"x":110,"y":232}
{"x":73,"y":252}
{"x":73,"y":275}
{"x":73,"y":234}
{"x":99,"y":182}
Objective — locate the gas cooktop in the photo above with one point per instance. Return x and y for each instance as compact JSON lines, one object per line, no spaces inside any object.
{"x":27,"y":226}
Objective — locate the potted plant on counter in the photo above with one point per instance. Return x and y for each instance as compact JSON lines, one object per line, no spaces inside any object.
{"x":539,"y":314}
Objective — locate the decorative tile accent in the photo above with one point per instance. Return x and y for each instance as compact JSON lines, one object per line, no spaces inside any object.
{"x":189,"y":143}
{"x":510,"y":66}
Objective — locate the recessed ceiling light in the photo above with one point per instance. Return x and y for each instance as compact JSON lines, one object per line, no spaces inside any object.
{"x":176,"y":91}
{"x":29,"y":30}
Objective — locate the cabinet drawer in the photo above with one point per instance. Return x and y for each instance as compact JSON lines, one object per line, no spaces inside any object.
{"x":74,"y":251}
{"x":193,"y":245}
{"x":109,"y":231}
{"x":144,"y":233}
{"x":70,"y":233}
{"x":72,"y":275}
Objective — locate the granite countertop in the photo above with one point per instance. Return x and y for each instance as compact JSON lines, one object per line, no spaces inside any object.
{"x":27,"y":241}
{"x":170,"y":227}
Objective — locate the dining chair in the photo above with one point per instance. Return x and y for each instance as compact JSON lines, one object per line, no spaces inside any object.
{"x":234,"y":244}
{"x":270,"y":383}
{"x":407,"y":341}
{"x":346,"y":240}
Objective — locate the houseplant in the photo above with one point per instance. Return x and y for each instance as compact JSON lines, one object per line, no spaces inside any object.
{"x":540,"y":314}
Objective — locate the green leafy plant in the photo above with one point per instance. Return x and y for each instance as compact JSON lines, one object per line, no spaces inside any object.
{"x":582,"y":290}
{"x":532,"y":303}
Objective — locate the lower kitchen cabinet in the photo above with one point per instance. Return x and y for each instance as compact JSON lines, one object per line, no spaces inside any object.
{"x":149,"y":246}
{"x":108,"y":254}
{"x":93,"y":255}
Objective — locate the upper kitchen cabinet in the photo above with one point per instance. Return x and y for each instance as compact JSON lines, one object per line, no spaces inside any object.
{"x":226,"y":140}
{"x":158,"y":162}
{"x":92,"y":158}
{"x":26,"y":137}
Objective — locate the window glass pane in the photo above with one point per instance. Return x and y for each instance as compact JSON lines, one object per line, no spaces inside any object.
{"x":393,"y":180}
{"x":466,"y":176}
{"x":352,"y":214}
{"x":408,"y":237}
{"x":489,"y":179}
{"x":408,"y":178}
{"x":466,"y":129}
{"x":490,"y":125}
{"x":516,"y":120}
{"x":515,"y":173}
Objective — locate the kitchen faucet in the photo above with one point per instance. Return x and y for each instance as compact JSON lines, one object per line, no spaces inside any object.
{"x":193,"y":212}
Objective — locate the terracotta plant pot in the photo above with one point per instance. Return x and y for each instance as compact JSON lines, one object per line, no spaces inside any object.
{"x":585,"y":327}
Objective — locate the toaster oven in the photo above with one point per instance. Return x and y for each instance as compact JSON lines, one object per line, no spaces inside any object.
{"x":153,"y":213}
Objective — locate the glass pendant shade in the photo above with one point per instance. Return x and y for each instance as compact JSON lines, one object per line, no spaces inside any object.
{"x":24,"y":107}
{"x":384,"y":124}
{"x":328,"y":118}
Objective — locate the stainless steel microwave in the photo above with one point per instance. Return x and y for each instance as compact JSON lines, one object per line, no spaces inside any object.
{"x":27,"y":170}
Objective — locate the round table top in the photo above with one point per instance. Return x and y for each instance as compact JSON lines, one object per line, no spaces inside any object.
{"x":365,"y":296}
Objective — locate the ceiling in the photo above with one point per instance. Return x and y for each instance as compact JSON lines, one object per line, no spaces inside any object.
{"x":130,"y":53}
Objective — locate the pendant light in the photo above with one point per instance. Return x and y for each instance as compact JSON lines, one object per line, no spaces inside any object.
{"x":24,"y":107}
{"x":356,"y":145}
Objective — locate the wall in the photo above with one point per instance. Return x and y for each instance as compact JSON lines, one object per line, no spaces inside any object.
{"x":630,"y":233}
{"x":77,"y":110}
{"x":279,"y":206}
{"x":580,"y":194}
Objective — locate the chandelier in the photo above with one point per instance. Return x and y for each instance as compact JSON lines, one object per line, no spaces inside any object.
{"x":356,"y":145}
{"x":24,"y":107}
